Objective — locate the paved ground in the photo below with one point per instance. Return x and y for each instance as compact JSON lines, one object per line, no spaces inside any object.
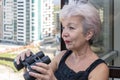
{"x":7,"y":73}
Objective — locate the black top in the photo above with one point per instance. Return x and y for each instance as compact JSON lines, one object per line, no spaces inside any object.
{"x":65,"y":73}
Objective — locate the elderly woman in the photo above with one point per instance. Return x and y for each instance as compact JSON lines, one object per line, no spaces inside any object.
{"x":81,"y":25}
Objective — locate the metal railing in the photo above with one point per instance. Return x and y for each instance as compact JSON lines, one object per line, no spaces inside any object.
{"x":110,"y":57}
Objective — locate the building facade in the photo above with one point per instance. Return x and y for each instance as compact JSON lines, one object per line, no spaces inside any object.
{"x":23,"y":21}
{"x":47,"y":18}
{"x":26,"y":21}
{"x":42,"y":19}
{"x":1,"y":21}
{"x":8,"y":18}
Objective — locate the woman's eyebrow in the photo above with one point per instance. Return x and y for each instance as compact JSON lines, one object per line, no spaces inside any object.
{"x":71,"y":24}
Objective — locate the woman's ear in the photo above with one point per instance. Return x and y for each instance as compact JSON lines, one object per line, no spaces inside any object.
{"x":89,"y":34}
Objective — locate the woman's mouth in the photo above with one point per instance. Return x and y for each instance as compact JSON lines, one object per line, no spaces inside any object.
{"x":67,"y":42}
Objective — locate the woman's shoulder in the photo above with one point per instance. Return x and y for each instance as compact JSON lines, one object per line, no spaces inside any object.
{"x":101,"y":72}
{"x":56,"y":60}
{"x":59,"y":56}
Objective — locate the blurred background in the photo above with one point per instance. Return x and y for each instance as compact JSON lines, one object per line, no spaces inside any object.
{"x":27,"y":24}
{"x":35,"y":25}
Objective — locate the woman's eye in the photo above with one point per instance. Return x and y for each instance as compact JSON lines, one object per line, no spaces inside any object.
{"x":71,"y":28}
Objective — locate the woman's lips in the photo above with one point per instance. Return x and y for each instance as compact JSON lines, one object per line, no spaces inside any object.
{"x":67,"y":42}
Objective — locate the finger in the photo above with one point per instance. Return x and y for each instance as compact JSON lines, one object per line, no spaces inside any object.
{"x":43,"y":65}
{"x":17,"y":60}
{"x":37,"y":75}
{"x":19,"y":57}
{"x":28,"y":52}
{"x":39,"y":69}
{"x":23,"y":55}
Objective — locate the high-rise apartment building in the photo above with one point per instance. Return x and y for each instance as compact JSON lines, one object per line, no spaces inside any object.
{"x":42,"y":19}
{"x":23,"y":21}
{"x":35,"y":20}
{"x":8,"y":19}
{"x":26,"y":21}
{"x":15,"y":21}
{"x":47,"y":17}
{"x":1,"y":21}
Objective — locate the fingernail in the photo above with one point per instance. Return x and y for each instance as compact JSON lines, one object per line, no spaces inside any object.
{"x":22,"y":59}
{"x":32,"y":66}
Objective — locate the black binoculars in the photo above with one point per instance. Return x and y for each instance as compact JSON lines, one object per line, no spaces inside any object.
{"x":29,"y":61}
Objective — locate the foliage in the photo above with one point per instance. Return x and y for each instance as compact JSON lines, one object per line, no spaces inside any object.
{"x":7,"y":55}
{"x":5,"y":62}
{"x":56,"y":8}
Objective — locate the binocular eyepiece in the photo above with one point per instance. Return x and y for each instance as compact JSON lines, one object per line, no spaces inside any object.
{"x":31,"y":60}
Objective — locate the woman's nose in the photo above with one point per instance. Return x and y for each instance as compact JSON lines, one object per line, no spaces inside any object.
{"x":65,"y":33}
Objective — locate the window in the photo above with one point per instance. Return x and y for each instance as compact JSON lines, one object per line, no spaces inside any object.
{"x":105,"y":40}
{"x":33,"y":14}
{"x":33,"y":1}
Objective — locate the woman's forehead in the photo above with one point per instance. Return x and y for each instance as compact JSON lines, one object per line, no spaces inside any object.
{"x":72,"y":19}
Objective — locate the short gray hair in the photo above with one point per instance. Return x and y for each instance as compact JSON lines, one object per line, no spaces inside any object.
{"x":90,"y":15}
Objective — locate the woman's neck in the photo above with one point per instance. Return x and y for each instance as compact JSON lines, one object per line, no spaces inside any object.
{"x":82,"y":52}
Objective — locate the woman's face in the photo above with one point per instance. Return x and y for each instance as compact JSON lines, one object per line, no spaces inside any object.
{"x":73,"y":33}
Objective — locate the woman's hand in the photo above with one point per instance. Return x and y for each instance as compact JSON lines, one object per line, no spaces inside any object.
{"x":44,"y":72}
{"x":22,"y":56}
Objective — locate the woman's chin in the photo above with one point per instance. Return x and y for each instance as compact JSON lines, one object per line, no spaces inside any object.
{"x":69,"y":47}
